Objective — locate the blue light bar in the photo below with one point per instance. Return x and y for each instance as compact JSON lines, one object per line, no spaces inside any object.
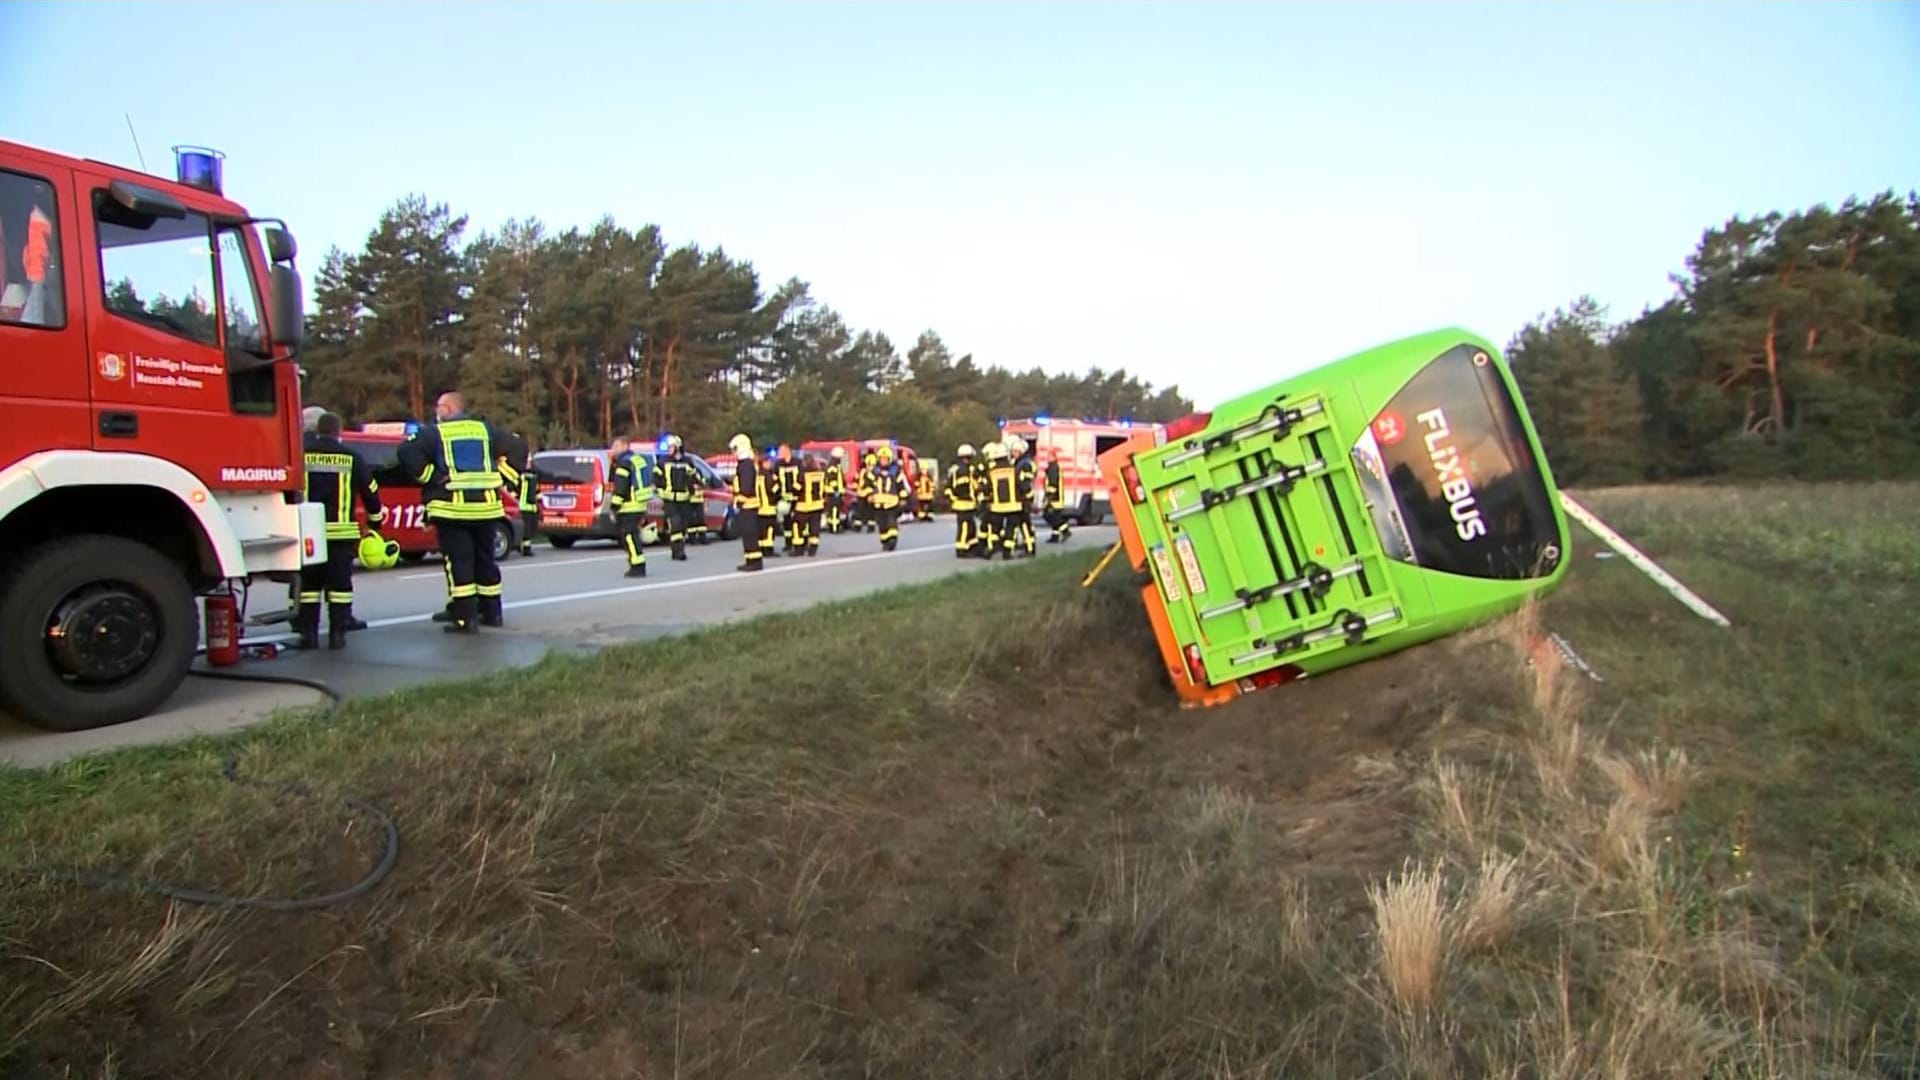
{"x":1042,"y":420}
{"x":198,"y":166}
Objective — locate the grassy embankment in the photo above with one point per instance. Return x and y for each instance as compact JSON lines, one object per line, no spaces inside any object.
{"x":960,"y":831}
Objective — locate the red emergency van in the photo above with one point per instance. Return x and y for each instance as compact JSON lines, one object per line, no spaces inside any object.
{"x":1079,"y":444}
{"x":576,"y":495}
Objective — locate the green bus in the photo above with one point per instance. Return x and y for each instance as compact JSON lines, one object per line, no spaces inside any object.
{"x":1385,"y":499}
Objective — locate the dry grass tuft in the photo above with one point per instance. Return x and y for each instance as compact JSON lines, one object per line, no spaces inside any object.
{"x":1656,"y":780}
{"x":1492,"y":905}
{"x":1410,"y":923}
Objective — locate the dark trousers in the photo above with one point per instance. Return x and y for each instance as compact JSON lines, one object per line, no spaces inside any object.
{"x":887,"y":518}
{"x":769,"y":524}
{"x":806,"y":530}
{"x":530,"y":518}
{"x":473,"y":578}
{"x":964,"y":529}
{"x":630,"y":526}
{"x":747,"y":522}
{"x":680,"y":519}
{"x":330,"y":582}
{"x":833,"y":513}
{"x":1061,"y":523}
{"x":1005,"y":533}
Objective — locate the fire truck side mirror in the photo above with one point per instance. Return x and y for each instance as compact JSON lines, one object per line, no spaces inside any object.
{"x":280,"y":246}
{"x":289,"y":311}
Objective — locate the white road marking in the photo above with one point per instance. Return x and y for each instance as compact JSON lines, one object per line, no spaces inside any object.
{"x":518,"y":565}
{"x":623,"y":590}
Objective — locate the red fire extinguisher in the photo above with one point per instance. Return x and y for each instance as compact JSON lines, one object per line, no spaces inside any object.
{"x":223,"y":630}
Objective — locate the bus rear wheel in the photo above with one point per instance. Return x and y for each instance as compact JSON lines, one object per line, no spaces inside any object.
{"x":94,"y":630}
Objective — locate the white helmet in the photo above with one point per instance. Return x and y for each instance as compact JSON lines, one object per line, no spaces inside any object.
{"x":673,"y":442}
{"x":741,"y":445}
{"x":996,"y":452}
{"x":839,"y":453}
{"x":966,"y":450}
{"x":1016,"y":445}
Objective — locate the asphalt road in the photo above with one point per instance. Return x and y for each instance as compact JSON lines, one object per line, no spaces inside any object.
{"x":567,"y":600}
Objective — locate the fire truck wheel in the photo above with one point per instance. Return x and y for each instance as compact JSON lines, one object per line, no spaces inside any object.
{"x":561,"y":542}
{"x":413,"y":556}
{"x":126,"y":632}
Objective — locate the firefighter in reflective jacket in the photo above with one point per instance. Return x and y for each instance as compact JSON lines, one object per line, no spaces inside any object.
{"x":963,"y":499}
{"x":335,"y":477}
{"x":516,"y":465}
{"x":457,"y":462}
{"x":836,"y":490}
{"x":863,"y":520}
{"x":786,"y":477}
{"x":1027,"y":475}
{"x":679,"y":495}
{"x":809,"y":505}
{"x":889,"y":490}
{"x":1056,"y":493}
{"x":923,"y":493}
{"x":749,"y":498}
{"x":1004,"y":507}
{"x":631,"y":494}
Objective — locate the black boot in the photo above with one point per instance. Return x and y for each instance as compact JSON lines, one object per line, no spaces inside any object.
{"x":639,"y":570}
{"x":336,"y":635}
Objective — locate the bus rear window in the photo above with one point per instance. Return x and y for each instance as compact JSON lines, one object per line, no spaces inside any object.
{"x":1450,"y":476}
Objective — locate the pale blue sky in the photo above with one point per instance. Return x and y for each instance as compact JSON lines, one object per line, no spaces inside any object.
{"x":1214,"y":195}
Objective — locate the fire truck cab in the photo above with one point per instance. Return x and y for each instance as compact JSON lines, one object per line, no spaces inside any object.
{"x":1078,"y":445}
{"x":151,"y":449}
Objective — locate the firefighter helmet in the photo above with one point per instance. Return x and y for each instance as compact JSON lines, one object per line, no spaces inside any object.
{"x":839,"y":453}
{"x":966,"y":450}
{"x":740,"y":445}
{"x":1016,"y":446}
{"x":885,"y":452}
{"x":377,"y":552}
{"x":672,"y":442}
{"x":996,"y":451}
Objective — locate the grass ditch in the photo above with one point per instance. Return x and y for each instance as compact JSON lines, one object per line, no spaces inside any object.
{"x":960,"y":830}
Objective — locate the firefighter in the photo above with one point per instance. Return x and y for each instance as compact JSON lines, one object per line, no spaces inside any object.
{"x":771,"y":510}
{"x":749,"y":498}
{"x":982,"y":517}
{"x":787,"y":474}
{"x":923,"y":496}
{"x":1004,"y":507}
{"x":631,"y":493}
{"x":809,"y":504}
{"x":335,"y":477}
{"x":517,"y":467}
{"x":458,"y":469}
{"x":963,"y":499}
{"x":679,"y":495}
{"x":890,"y":491}
{"x":1056,"y":496}
{"x":863,"y":495}
{"x":1027,"y":475}
{"x":836,"y":490}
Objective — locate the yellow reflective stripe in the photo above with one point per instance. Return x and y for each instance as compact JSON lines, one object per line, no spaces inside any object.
{"x":461,"y":592}
{"x":342,"y":530}
{"x":339,"y":597}
{"x":487,"y":590}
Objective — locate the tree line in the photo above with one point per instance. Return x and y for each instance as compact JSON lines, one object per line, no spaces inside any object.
{"x":1791,"y":349}
{"x":575,"y":336}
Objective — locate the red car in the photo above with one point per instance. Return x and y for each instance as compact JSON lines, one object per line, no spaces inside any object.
{"x":406,"y":521}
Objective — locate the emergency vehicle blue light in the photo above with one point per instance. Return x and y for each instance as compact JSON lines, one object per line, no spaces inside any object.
{"x":1042,"y":420}
{"x":413,"y":428}
{"x":661,"y":444}
{"x":198,"y":166}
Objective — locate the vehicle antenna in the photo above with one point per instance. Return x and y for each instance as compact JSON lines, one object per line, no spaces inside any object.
{"x":136,"y":142}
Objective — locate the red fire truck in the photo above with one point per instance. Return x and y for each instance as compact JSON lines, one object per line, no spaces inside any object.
{"x":855,"y":452}
{"x":1079,"y":444}
{"x":151,"y":449}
